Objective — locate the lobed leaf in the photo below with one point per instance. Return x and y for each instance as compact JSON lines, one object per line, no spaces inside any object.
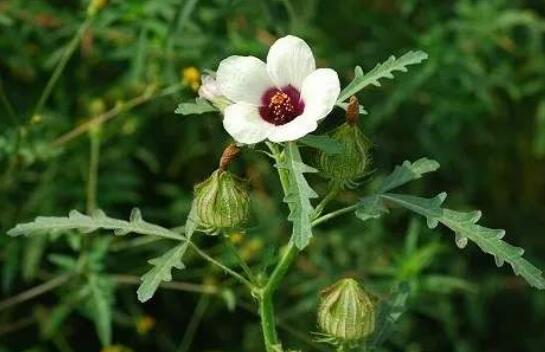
{"x":90,"y":223}
{"x":298,"y":195}
{"x":100,"y":303}
{"x":161,"y":271}
{"x":389,"y":313}
{"x":380,"y":71}
{"x":465,"y":227}
{"x":407,"y":172}
{"x":200,"y":106}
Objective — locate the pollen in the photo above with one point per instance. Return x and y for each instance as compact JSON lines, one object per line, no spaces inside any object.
{"x":281,"y":106}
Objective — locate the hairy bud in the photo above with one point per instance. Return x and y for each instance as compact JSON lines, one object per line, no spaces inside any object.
{"x":346,"y":312}
{"x":353,"y":160}
{"x":222,"y":201}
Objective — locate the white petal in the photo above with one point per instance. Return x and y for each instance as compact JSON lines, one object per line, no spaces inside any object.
{"x":301,"y":126}
{"x":243,"y":122}
{"x":290,"y":61}
{"x":320,"y":92}
{"x":243,"y":79}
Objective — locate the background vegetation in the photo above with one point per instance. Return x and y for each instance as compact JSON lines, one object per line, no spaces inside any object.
{"x":477,"y":106}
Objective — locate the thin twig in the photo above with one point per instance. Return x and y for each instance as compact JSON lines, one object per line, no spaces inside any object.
{"x":236,"y":275}
{"x":335,"y":213}
{"x":94,"y":158}
{"x":9,"y":108}
{"x":35,"y":291}
{"x":240,"y":260}
{"x":196,"y":318}
{"x":67,"y":54}
{"x":110,"y":114}
{"x":174,"y":285}
{"x":16,"y":325}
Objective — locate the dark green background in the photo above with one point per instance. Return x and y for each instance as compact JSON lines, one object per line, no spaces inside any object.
{"x":477,"y":106}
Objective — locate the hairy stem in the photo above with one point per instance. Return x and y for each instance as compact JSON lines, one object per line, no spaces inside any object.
{"x":266,"y":307}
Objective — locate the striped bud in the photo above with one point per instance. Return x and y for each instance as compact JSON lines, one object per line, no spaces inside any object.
{"x":222,"y":201}
{"x":346,"y":312}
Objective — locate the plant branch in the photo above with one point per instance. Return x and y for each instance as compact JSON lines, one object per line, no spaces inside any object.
{"x":118,"y":109}
{"x":67,"y":54}
{"x":240,"y":260}
{"x":175,"y":285}
{"x":236,"y":275}
{"x":35,"y":291}
{"x":333,"y":214}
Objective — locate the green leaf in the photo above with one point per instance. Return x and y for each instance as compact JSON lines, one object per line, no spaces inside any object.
{"x":383,"y":70}
{"x":407,"y":172}
{"x":465,"y":227}
{"x":33,"y":253}
{"x":322,"y":142}
{"x":100,"y":304}
{"x":200,"y":106}
{"x":87,"y":224}
{"x":161,"y":271}
{"x":298,"y":195}
{"x":389,"y":313}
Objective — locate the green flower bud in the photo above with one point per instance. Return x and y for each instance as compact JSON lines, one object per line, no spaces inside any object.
{"x":353,"y":160}
{"x":222,"y":201}
{"x":346,"y":312}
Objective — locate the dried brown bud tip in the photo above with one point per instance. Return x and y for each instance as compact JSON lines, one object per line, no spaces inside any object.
{"x":352,"y":111}
{"x":229,"y":154}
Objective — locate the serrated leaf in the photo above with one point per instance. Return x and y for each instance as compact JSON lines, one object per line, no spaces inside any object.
{"x":371,"y":208}
{"x":407,"y":172}
{"x":200,"y":106}
{"x":464,"y":224}
{"x":298,"y":195}
{"x":380,"y":71}
{"x":322,"y":142}
{"x":389,"y":313}
{"x":100,"y":304}
{"x":161,"y":271}
{"x":86,"y":224}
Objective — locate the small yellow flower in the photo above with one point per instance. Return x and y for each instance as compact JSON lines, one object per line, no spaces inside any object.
{"x":192,"y":77}
{"x":251,"y":248}
{"x":116,"y":348}
{"x":236,"y":237}
{"x":36,"y":119}
{"x":144,"y":324}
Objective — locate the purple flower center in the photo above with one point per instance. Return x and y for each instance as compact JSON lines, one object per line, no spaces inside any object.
{"x":280,"y":106}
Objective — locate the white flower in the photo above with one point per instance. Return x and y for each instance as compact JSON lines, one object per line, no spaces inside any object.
{"x":209,"y":88}
{"x":282,"y":100}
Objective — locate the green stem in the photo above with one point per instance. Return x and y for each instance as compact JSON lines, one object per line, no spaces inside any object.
{"x":234,"y":274}
{"x":191,"y":329}
{"x":67,"y":54}
{"x":240,"y":260}
{"x":93,"y":169}
{"x":9,"y":108}
{"x":335,"y":213}
{"x":335,"y":188}
{"x":266,"y":307}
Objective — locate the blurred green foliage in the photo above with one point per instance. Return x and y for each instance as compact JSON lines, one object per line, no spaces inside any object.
{"x":477,"y":106}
